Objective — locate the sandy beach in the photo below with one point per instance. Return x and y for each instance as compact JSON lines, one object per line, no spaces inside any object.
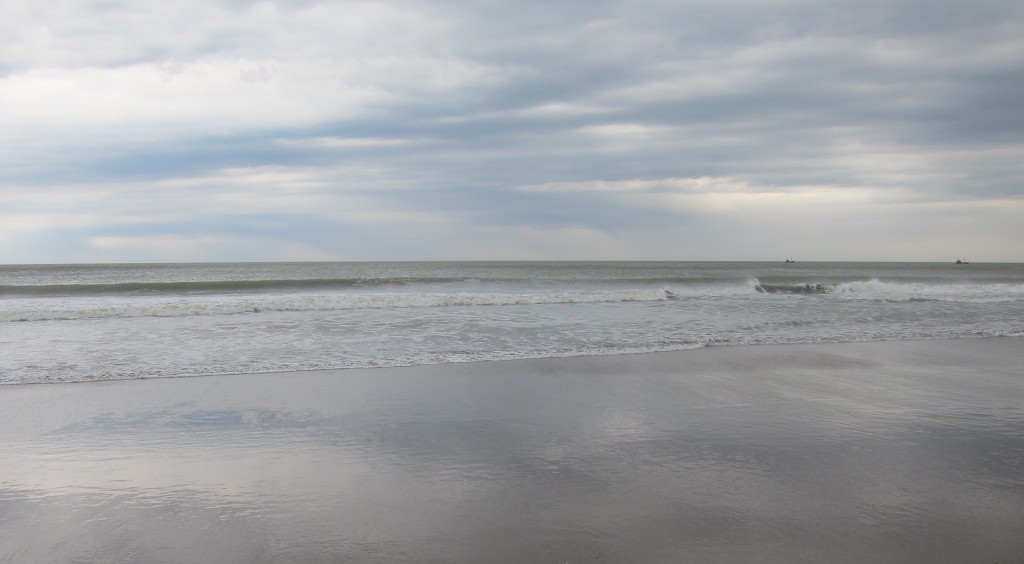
{"x":909,"y":451}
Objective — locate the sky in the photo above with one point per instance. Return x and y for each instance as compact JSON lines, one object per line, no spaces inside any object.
{"x":237,"y":130}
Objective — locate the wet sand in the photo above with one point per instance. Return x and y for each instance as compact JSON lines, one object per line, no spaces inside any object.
{"x":864,"y":452}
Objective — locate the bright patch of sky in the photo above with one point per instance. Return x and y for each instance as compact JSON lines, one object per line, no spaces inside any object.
{"x":453,"y":129}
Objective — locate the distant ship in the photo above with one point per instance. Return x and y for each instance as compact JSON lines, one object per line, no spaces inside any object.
{"x":789,"y":261}
{"x":961,"y":261}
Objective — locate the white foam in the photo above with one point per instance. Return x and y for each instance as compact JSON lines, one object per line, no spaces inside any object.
{"x":968,"y":293}
{"x":99,"y":308}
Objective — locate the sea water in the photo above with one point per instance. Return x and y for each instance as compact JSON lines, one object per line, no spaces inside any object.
{"x":71,"y":323}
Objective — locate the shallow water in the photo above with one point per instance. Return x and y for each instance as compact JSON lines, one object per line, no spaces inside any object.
{"x":102,"y":322}
{"x":872,"y":452}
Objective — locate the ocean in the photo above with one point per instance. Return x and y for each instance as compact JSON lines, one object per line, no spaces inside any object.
{"x":818,"y":449}
{"x":76,"y":323}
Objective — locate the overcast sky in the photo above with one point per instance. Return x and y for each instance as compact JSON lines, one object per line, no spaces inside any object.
{"x":199,"y":130}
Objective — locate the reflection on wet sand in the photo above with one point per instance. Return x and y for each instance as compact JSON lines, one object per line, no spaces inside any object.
{"x":848,"y":453}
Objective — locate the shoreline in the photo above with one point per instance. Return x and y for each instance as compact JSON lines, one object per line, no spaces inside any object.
{"x":683,"y":349}
{"x":843,"y":452}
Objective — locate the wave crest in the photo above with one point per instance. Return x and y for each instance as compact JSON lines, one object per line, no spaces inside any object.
{"x":875,"y":289}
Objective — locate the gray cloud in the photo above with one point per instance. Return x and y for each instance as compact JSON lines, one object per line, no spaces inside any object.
{"x":389,"y":119}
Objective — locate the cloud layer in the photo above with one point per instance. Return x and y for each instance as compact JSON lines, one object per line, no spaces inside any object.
{"x":406,"y":129}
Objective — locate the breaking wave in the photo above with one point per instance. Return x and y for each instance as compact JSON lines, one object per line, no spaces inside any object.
{"x":875,"y":289}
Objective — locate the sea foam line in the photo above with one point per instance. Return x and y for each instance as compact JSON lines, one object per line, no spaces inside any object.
{"x":52,"y":310}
